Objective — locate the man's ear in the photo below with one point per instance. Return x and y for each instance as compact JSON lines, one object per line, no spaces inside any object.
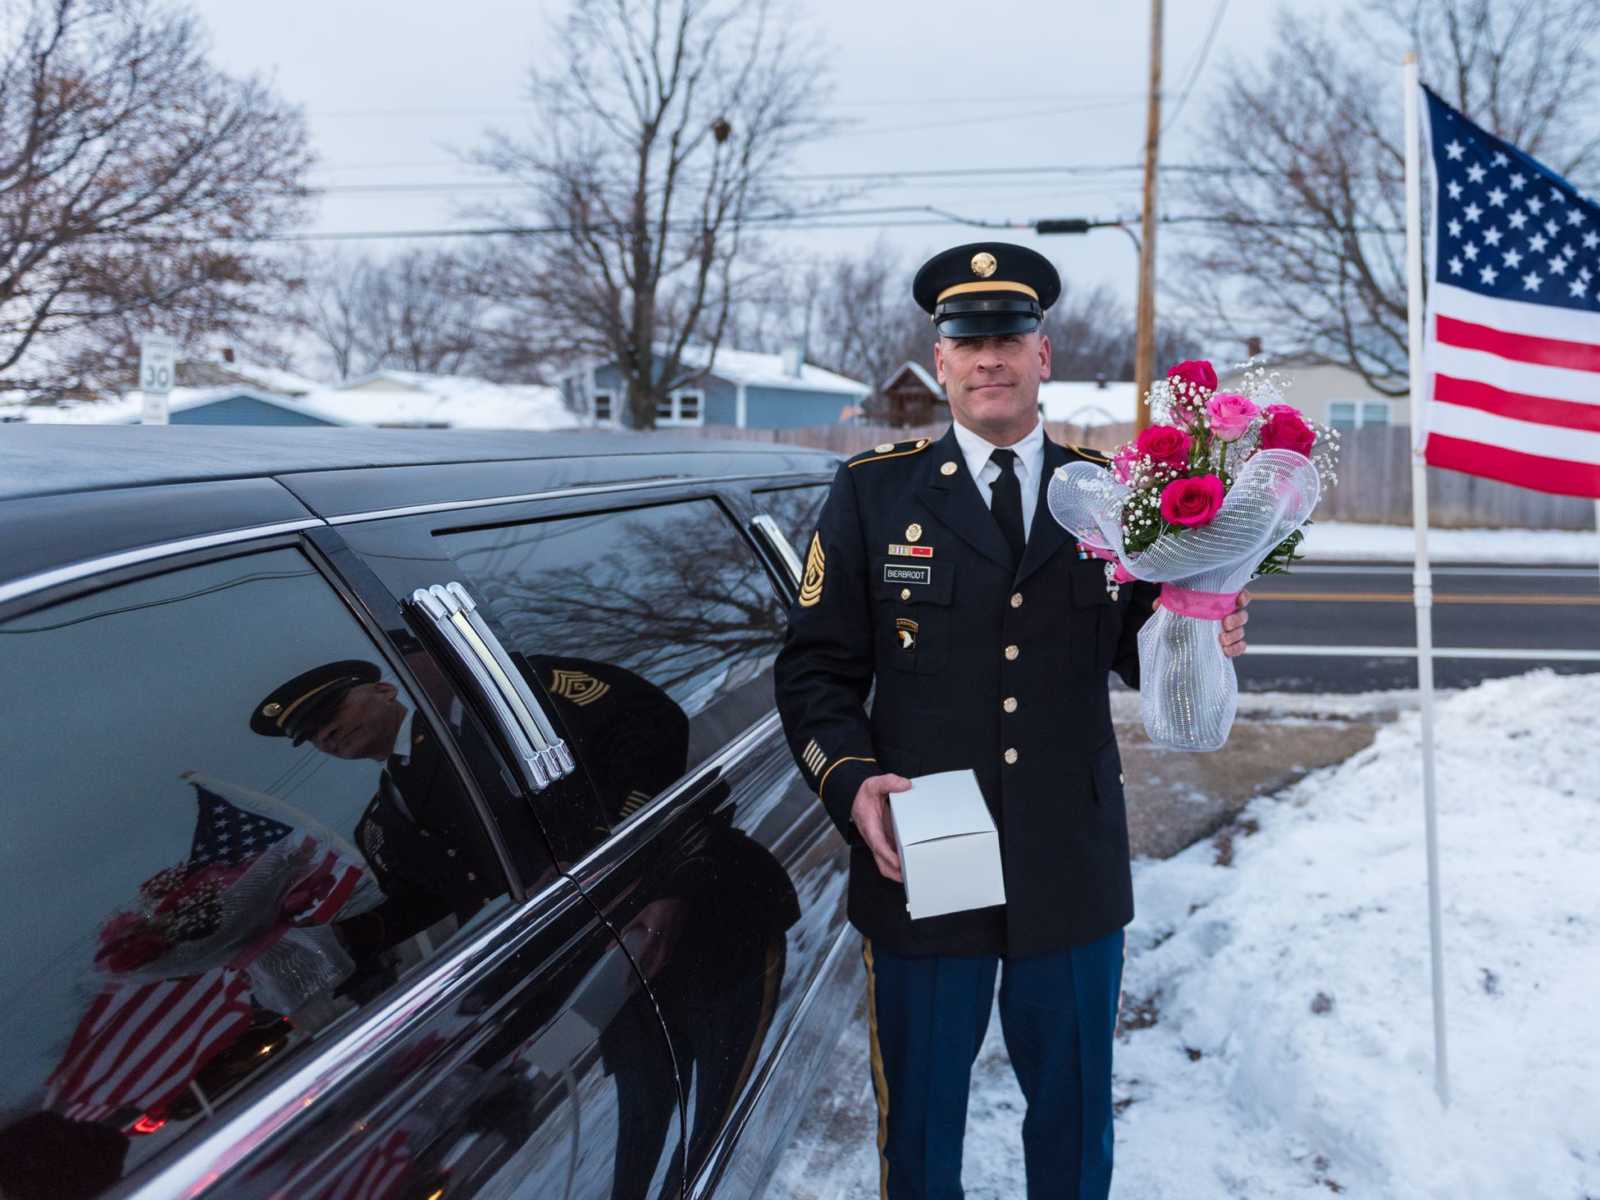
{"x":386,"y":689}
{"x":938,"y":361}
{"x":1045,"y":354}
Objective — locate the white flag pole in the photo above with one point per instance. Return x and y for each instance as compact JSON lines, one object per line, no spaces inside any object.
{"x":1422,"y":577}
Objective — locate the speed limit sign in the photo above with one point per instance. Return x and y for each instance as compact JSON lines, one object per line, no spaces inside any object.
{"x":158,"y":368}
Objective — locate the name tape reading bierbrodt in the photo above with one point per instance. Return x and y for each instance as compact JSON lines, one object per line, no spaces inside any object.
{"x":907,"y":573}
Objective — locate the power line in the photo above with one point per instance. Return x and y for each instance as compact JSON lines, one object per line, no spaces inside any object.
{"x":1200,"y":61}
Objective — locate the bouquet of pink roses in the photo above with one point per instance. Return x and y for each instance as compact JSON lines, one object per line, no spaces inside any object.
{"x":1214,"y":493}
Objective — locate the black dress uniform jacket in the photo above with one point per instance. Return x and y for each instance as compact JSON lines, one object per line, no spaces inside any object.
{"x":978,"y":666}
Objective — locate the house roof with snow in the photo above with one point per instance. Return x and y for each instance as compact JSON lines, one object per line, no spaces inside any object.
{"x":750,"y":368}
{"x":127,"y":408}
{"x":406,"y":399}
{"x":918,"y":372}
{"x":1088,"y":402}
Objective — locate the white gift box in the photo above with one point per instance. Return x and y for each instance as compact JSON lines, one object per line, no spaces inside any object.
{"x":949,"y":848}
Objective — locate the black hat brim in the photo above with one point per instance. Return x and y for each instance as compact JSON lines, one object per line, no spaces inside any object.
{"x":971,"y":325}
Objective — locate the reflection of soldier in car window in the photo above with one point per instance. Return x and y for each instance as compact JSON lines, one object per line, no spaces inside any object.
{"x":410,"y":833}
{"x":712,"y":941}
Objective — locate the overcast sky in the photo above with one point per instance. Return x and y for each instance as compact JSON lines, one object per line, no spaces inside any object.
{"x":393,"y":87}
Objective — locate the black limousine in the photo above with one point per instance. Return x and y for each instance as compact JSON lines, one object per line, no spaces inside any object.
{"x":405,"y":814}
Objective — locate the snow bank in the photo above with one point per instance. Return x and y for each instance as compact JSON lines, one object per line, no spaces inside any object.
{"x":1327,"y":540}
{"x":1292,"y":1050}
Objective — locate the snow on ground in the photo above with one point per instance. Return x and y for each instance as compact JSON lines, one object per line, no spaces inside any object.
{"x":1279,"y":1039}
{"x":1327,"y":540}
{"x":1292,"y":1048}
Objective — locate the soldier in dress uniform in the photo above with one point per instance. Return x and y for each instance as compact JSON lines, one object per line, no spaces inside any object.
{"x":410,"y":833}
{"x":937,"y":575}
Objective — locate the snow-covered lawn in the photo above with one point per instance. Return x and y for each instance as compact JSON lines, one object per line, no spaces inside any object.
{"x":1396,"y":543}
{"x":1291,"y":1049}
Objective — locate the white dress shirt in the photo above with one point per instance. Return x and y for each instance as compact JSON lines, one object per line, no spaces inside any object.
{"x":1030,"y":466}
{"x":402,"y":737}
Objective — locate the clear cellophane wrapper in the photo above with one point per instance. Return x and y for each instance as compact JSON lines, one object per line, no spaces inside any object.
{"x":1188,"y":689}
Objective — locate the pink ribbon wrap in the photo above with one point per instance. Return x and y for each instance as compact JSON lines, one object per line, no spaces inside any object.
{"x":1207,"y":606}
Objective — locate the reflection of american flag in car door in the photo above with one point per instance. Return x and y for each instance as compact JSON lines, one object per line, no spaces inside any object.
{"x":143,"y":1040}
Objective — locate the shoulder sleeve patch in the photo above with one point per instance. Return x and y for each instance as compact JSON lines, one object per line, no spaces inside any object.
{"x":891,"y":450}
{"x":811,"y":582}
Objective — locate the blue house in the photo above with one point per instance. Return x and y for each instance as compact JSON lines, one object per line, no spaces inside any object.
{"x":737,"y":387}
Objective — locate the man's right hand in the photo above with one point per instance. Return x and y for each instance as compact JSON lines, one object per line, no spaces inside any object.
{"x":871,"y":816}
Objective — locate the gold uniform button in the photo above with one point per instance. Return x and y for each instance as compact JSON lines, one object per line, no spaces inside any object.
{"x":905,"y":593}
{"x":1011,"y":756}
{"x":1009,"y":704}
{"x":949,"y":468}
{"x":1011,"y":653}
{"x":1016,"y":599}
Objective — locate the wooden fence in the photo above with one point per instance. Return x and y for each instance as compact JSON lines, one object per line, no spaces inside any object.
{"x":1374,"y":475}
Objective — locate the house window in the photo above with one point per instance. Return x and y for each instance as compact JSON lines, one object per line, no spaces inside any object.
{"x":1353,"y":414}
{"x":602,"y":407}
{"x":680,"y":408}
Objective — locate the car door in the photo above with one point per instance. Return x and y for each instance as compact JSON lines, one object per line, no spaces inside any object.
{"x":267,"y":934}
{"x":649,"y":629}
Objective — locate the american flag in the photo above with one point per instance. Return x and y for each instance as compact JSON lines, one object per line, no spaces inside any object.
{"x":1513,"y":333}
{"x":141,"y":1042}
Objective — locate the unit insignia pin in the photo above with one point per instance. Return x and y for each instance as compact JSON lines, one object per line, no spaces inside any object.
{"x":913,"y":532}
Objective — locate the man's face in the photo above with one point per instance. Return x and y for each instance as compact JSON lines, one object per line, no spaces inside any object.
{"x":993,"y":382}
{"x":364,"y":725}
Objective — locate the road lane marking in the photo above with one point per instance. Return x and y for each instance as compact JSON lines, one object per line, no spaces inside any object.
{"x":1527,"y":572}
{"x":1405,"y":598}
{"x":1411,"y":652}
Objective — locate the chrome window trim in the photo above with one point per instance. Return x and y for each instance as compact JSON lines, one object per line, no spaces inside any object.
{"x":598,"y":489}
{"x":779,"y":544}
{"x":220,"y":1149}
{"x":129,"y":558}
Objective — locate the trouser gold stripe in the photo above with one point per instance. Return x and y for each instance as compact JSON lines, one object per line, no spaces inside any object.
{"x":880,"y":1081}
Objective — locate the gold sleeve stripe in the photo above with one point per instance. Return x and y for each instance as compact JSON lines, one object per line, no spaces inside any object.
{"x":811,"y":584}
{"x":823,"y":782}
{"x":1092,"y":454}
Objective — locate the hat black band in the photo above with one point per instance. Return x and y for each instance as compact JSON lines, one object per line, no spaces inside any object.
{"x":986,"y":324}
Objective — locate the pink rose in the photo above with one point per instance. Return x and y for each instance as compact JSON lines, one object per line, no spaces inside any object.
{"x":1230,"y":414}
{"x":1191,"y":501}
{"x":1286,"y":429}
{"x":1167,"y":445}
{"x":1196,"y":372}
{"x":1122,"y":462}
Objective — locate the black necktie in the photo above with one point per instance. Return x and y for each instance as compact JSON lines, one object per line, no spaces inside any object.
{"x":1006,"y":502}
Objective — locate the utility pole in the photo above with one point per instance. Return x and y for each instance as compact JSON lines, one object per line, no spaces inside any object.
{"x":1145,"y":342}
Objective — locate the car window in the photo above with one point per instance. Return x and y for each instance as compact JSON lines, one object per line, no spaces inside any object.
{"x":795,"y":510}
{"x":652,"y":631}
{"x":227,"y":829}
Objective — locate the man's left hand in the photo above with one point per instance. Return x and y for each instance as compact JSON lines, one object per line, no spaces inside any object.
{"x":1232,"y":633}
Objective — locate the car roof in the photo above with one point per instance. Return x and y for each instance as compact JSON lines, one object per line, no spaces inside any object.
{"x":38,"y":460}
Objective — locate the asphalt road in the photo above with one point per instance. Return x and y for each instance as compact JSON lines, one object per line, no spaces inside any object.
{"x":1318,"y":629}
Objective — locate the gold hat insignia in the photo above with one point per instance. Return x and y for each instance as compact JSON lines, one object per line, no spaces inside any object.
{"x":271,"y":710}
{"x":983,"y":264}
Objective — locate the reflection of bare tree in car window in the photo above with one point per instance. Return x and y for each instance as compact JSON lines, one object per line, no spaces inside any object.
{"x":796,"y":511}
{"x":671,"y":593}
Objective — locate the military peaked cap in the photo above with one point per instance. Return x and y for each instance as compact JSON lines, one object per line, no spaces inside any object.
{"x":298,"y":708}
{"x":985,"y":289}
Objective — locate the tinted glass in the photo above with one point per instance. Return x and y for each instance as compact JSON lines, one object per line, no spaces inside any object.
{"x":796,"y":511}
{"x":651,"y":631}
{"x":194,"y":898}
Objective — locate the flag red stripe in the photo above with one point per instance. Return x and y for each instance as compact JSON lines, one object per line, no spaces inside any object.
{"x":1541,"y":410}
{"x":347,"y":879}
{"x":1519,"y":347}
{"x":1512,"y":466}
{"x":103,"y":1057}
{"x":213,"y":1022}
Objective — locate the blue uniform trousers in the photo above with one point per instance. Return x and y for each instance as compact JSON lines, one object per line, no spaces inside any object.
{"x":927,"y":1017}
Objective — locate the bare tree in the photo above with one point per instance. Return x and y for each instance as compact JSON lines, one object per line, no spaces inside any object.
{"x":131,"y":172}
{"x":412,"y":312}
{"x":1305,"y":160}
{"x":657,"y":140}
